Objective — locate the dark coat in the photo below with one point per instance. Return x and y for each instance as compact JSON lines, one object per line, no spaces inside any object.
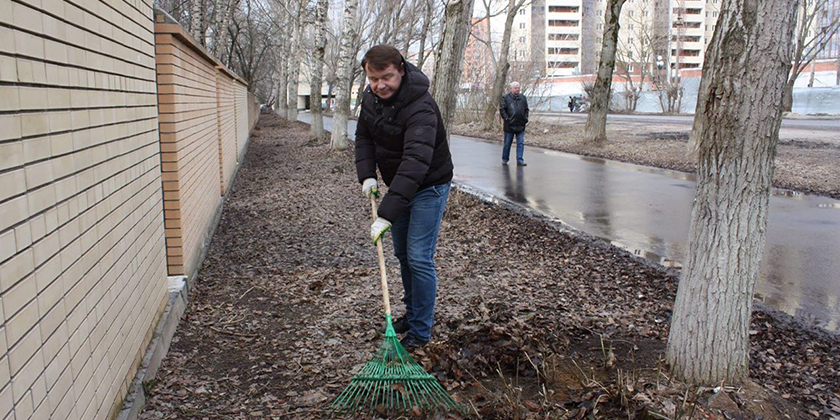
{"x":514,"y":111}
{"x":404,"y":137}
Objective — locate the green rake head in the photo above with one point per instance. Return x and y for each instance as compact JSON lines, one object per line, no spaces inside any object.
{"x":394,"y":381}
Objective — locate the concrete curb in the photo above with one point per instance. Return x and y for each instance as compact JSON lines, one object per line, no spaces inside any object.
{"x":157,"y":350}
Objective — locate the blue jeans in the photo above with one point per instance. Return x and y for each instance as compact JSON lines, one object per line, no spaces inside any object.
{"x":520,"y":146}
{"x":415,"y":236}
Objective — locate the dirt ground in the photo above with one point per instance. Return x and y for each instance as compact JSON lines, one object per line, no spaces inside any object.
{"x":532,"y":322}
{"x":806,"y":160}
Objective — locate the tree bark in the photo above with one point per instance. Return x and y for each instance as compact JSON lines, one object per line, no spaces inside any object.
{"x":317,"y":127}
{"x":196,"y":17}
{"x":787,"y":95}
{"x":735,"y":133}
{"x":330,"y":86}
{"x":502,"y":66}
{"x":599,"y":103}
{"x":282,"y":70}
{"x":295,"y":47}
{"x":449,"y":57}
{"x":427,"y":24}
{"x":344,"y":71}
{"x":360,"y":92}
{"x":223,"y":12}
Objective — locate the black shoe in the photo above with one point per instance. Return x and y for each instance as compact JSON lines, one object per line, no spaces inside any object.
{"x":401,"y":326}
{"x":521,"y":164}
{"x":411,"y":342}
{"x":504,"y":162}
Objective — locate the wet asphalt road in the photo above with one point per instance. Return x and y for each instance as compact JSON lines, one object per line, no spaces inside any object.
{"x":647,"y":212}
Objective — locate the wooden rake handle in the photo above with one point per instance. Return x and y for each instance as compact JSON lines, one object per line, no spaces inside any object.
{"x":386,"y":301}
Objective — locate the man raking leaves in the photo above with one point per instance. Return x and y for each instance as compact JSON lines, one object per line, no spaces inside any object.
{"x":400,"y":131}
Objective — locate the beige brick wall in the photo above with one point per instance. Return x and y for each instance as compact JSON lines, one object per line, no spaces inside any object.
{"x":242,"y":120}
{"x":82,"y":257}
{"x":226,"y":116}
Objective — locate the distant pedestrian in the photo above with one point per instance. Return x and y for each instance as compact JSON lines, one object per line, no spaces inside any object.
{"x":572,"y":104}
{"x":514,"y":111}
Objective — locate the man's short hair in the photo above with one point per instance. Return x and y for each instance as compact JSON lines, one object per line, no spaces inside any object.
{"x":514,"y":84}
{"x":380,"y":56}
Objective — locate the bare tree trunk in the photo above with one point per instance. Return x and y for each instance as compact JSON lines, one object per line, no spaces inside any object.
{"x":359,"y":93}
{"x":813,"y":73}
{"x":283,"y":75}
{"x":599,"y":104}
{"x":735,"y":133}
{"x":837,"y":75}
{"x":330,"y":86}
{"x":427,"y":24}
{"x":344,"y":71}
{"x":196,"y":17}
{"x":787,"y":95}
{"x":502,"y":66}
{"x":223,"y":12}
{"x":295,"y":48}
{"x":317,"y":126}
{"x":449,"y":57}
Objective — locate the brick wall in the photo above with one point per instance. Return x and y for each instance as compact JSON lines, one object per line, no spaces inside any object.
{"x":82,"y":260}
{"x":242,"y":123}
{"x":189,"y":139}
{"x":226,"y":116}
{"x":203,"y":133}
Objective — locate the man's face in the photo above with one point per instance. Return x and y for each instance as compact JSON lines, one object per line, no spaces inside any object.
{"x":514,"y":90}
{"x":384,"y":83}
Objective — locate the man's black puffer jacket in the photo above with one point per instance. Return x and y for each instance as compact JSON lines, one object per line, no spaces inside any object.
{"x":404,"y":136}
{"x":514,"y":112}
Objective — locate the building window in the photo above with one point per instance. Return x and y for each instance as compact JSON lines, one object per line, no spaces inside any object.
{"x":563,"y":37}
{"x":563,"y":9}
{"x":522,"y":39}
{"x":522,"y":12}
{"x":630,"y":26}
{"x":714,"y":14}
{"x":630,"y":13}
{"x":600,"y":26}
{"x":562,"y":64}
{"x":563,"y":50}
{"x":600,"y":13}
{"x":555,"y":22}
{"x":522,"y":25}
{"x":645,"y":14}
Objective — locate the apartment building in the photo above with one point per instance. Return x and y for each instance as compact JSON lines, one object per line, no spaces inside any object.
{"x":563,"y":37}
{"x":476,"y":69}
{"x":831,"y":49}
{"x":693,"y":23}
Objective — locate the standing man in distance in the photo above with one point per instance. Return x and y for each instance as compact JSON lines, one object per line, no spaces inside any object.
{"x":400,"y":131}
{"x":514,"y":112}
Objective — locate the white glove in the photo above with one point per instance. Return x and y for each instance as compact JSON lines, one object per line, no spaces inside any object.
{"x":378,"y":228}
{"x":369,"y":187}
